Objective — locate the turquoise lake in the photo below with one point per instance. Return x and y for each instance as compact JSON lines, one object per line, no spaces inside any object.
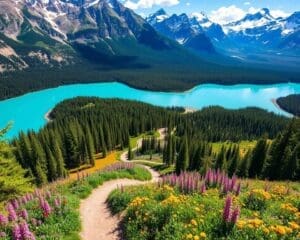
{"x":28,"y":111}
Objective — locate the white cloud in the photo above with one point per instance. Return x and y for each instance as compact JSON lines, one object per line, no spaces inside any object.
{"x":225,"y":15}
{"x":188,"y":4}
{"x":279,"y":13}
{"x":247,"y":3}
{"x":149,"y":3}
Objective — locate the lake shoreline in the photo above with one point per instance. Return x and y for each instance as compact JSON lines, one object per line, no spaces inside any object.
{"x":47,"y":116}
{"x":184,"y":91}
{"x":274,"y":101}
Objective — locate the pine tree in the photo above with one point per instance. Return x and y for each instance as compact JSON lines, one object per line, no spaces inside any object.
{"x":13,"y":182}
{"x":52,"y":166}
{"x":258,"y":158}
{"x":232,"y":168}
{"x":182,"y":162}
{"x":130,"y":153}
{"x":90,"y":147}
{"x":220,"y":158}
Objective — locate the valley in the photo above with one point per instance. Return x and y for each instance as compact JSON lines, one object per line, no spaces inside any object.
{"x":26,"y":113}
{"x":149,"y":120}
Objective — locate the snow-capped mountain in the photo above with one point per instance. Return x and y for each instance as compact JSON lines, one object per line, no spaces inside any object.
{"x":258,"y":31}
{"x":57,"y":32}
{"x":183,"y":29}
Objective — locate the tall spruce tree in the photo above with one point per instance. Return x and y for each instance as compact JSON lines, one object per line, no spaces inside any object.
{"x":258,"y":158}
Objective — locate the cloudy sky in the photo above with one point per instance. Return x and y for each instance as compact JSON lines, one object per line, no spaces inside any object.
{"x":218,"y":10}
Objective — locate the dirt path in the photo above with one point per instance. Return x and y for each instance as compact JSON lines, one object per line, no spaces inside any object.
{"x":97,"y":221}
{"x":124,"y":155}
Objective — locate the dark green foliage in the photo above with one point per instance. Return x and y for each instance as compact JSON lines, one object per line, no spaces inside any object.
{"x":183,"y":158}
{"x":258,"y":157}
{"x":82,"y":127}
{"x":13,"y":180}
{"x":290,"y":104}
{"x":283,"y":160}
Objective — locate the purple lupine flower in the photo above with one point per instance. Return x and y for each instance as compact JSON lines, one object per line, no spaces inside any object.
{"x":3,"y":220}
{"x":235,"y":215}
{"x":2,"y":234}
{"x":15,"y":204}
{"x":48,"y":194}
{"x":16,"y":232}
{"x":24,"y":214}
{"x":227,"y":209}
{"x":203,"y":188}
{"x":238,"y":189}
{"x":25,"y":232}
{"x":44,"y":205}
{"x":12,"y":215}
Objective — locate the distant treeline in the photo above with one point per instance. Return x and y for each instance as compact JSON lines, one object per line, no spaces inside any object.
{"x":82,"y":127}
{"x":166,"y":76}
{"x":290,"y":104}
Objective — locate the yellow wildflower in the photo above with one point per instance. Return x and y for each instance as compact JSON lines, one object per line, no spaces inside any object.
{"x":196,"y":237}
{"x":189,"y":236}
{"x":203,"y":235}
{"x":194,"y":222}
{"x":294,"y":225}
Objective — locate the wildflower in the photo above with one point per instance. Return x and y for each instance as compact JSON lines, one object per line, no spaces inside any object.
{"x":240,"y":224}
{"x":189,"y":236}
{"x":194,"y":222}
{"x":15,"y":204}
{"x":12,"y":215}
{"x":235,"y":215}
{"x":281,"y":230}
{"x":266,"y":230}
{"x":45,"y":207}
{"x":16,"y":232}
{"x":227,"y":207}
{"x":3,"y":220}
{"x":289,"y":207}
{"x":24,"y":214}
{"x":203,"y":235}
{"x":25,"y":232}
{"x":196,"y":237}
{"x":294,"y":225}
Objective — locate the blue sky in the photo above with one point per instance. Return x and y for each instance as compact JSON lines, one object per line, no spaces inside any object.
{"x":214,"y":8}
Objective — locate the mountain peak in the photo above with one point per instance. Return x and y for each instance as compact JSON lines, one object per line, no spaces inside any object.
{"x":159,"y":12}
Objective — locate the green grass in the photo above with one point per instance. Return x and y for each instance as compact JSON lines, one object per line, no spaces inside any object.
{"x":134,"y":140}
{"x":244,"y":146}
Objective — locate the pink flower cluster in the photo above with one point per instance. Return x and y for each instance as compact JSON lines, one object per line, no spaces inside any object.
{"x":18,"y":224}
{"x":189,"y":182}
{"x":118,"y":166}
{"x":230,"y":215}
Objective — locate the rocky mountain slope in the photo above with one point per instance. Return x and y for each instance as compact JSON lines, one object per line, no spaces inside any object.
{"x":256,"y":32}
{"x":57,"y":32}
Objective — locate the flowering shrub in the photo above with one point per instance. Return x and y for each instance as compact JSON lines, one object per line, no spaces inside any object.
{"x":257,"y":199}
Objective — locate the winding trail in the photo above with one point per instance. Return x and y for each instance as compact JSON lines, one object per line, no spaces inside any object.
{"x":97,"y":221}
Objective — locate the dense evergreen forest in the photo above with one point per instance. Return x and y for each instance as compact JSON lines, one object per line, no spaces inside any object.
{"x":169,"y":75}
{"x":82,"y":127}
{"x":290,"y":104}
{"x":279,"y":160}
